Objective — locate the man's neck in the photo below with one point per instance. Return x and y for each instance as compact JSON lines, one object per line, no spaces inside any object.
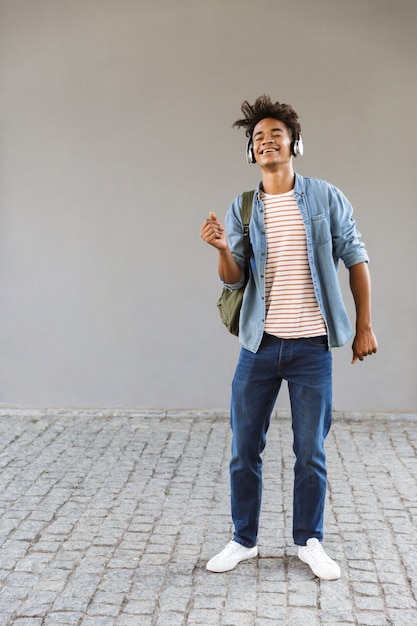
{"x":278,"y":181}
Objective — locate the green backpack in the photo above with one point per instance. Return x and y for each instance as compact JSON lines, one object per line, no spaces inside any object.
{"x":230,"y":301}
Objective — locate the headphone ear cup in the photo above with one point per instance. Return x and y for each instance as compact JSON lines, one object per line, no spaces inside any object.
{"x":250,"y":156}
{"x":297,"y":147}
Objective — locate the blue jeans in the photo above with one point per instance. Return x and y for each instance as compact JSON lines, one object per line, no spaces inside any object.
{"x":306,"y":364}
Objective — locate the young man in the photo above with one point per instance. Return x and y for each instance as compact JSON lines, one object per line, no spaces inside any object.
{"x":292,"y":315}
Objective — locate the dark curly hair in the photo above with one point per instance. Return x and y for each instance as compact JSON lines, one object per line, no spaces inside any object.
{"x":263,"y":108}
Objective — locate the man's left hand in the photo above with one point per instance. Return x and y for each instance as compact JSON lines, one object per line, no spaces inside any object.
{"x":364,"y":344}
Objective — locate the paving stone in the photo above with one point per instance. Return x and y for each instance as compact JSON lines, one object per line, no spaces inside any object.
{"x":108,"y":518}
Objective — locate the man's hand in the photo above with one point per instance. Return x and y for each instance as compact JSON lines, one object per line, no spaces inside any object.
{"x":364,"y":344}
{"x":213,"y":232}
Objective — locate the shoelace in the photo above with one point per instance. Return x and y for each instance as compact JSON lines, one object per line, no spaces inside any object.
{"x":317,"y":553}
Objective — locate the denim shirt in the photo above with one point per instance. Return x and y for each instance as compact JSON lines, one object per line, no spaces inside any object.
{"x":331,"y":235}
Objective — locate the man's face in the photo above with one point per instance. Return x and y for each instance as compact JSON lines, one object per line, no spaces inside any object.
{"x":271,"y":143}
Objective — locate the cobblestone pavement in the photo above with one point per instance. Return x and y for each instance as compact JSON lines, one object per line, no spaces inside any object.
{"x":109,"y":520}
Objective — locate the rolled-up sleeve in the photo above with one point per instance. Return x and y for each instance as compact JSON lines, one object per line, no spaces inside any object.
{"x":347,"y":244}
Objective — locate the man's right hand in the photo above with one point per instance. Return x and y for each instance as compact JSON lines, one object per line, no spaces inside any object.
{"x":213,"y":232}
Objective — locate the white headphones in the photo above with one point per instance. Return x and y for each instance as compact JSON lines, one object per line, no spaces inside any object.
{"x":297,"y":149}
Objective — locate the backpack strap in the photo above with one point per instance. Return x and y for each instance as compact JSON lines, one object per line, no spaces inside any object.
{"x":246,"y":213}
{"x":246,"y":208}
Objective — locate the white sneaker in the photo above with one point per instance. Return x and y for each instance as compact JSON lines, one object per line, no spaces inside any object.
{"x":230,"y":556}
{"x":321,"y":564}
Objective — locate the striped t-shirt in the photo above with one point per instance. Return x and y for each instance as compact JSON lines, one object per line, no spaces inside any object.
{"x":291,"y":306}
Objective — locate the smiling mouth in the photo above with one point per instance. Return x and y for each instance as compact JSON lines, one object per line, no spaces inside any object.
{"x":269,"y":150}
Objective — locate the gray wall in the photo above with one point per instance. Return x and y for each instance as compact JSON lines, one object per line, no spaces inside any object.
{"x":116,"y":141}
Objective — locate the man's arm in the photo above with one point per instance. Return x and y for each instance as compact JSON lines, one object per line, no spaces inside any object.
{"x":364,"y":343}
{"x":213,"y":232}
